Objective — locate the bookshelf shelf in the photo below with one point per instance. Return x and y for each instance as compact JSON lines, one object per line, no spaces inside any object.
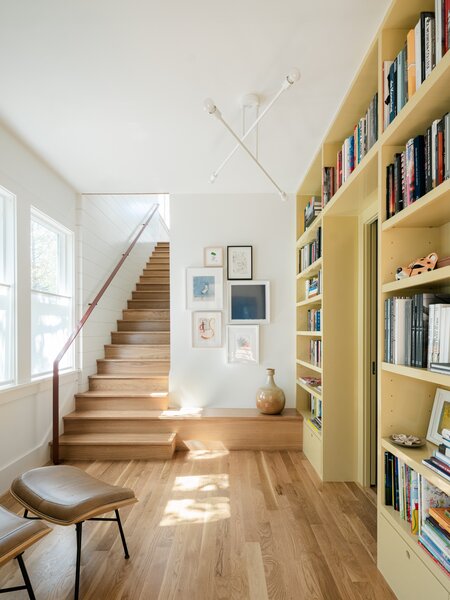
{"x":310,"y":301}
{"x":404,"y":530}
{"x":309,"y":389}
{"x":309,"y":234}
{"x":313,"y":269}
{"x":420,"y":374}
{"x":308,"y":365}
{"x":413,"y":457}
{"x":435,"y":278}
{"x":432,"y":210}
{"x":310,"y":333}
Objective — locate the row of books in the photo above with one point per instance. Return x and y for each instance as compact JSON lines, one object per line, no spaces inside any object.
{"x":314,"y":382}
{"x":315,"y":352}
{"x":417,"y":330}
{"x":311,"y":210}
{"x":356,"y":146}
{"x":443,"y":368}
{"x":310,"y":252}
{"x":316,"y":412}
{"x":424,"y":47}
{"x":439,"y":462}
{"x":422,"y":166}
{"x":328,"y":184}
{"x":314,"y":319}
{"x":313,"y":285}
{"x":421,"y":504}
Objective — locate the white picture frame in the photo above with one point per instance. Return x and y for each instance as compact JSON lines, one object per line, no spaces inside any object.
{"x":207,"y":329}
{"x":249,"y":302}
{"x":440,"y":416}
{"x":213,"y":256}
{"x":243,"y":344}
{"x":239,"y":262}
{"x":204,"y":288}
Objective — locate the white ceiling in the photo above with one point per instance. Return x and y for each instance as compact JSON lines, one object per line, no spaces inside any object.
{"x":110,"y":92}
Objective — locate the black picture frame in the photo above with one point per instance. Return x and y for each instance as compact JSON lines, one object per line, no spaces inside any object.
{"x":245,"y":260}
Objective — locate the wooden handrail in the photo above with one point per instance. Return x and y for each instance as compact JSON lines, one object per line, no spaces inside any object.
{"x":76,"y":331}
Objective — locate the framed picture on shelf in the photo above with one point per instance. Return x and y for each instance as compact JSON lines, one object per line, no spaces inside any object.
{"x":243,"y":344}
{"x":249,"y":302}
{"x":206,"y":329}
{"x":440,"y":416}
{"x":204,"y":288}
{"x":239,"y":262}
{"x":213,"y":256}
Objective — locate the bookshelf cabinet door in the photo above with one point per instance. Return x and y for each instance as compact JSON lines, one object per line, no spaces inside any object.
{"x":312,"y":448}
{"x":403,"y":570}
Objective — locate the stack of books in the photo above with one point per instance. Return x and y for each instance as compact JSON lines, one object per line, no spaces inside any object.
{"x":422,"y":166}
{"x":328,"y":184}
{"x":316,"y":412}
{"x":417,"y":330}
{"x":421,"y":504}
{"x":315,"y":352}
{"x":312,"y":209}
{"x":440,"y":459}
{"x":314,"y":382}
{"x":424,"y":47}
{"x":314,"y":319}
{"x":310,"y":252}
{"x":443,"y":368}
{"x":355,"y":147}
{"x":313,"y":286}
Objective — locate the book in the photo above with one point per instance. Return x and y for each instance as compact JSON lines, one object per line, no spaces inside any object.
{"x":411,"y":63}
{"x":437,"y":467}
{"x":439,"y":515}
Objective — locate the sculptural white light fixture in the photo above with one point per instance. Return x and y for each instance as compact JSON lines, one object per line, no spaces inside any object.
{"x":212,"y":109}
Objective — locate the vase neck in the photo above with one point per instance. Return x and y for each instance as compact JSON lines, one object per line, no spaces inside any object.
{"x":270,"y":380}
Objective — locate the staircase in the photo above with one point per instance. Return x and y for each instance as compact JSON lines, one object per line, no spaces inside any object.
{"x":130,"y":387}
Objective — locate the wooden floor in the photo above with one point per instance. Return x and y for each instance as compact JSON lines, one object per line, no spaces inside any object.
{"x":213,"y":524}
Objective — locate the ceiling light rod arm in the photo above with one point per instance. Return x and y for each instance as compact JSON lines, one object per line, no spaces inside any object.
{"x":288,"y":81}
{"x":244,"y":147}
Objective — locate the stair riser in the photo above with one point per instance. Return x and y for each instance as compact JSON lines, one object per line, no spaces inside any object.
{"x":78,"y":426}
{"x":156,"y":271}
{"x":160,"y":254}
{"x":145,"y":286}
{"x":140,"y":337}
{"x":131,"y":352}
{"x":156,"y":260}
{"x":148,"y":304}
{"x":122,"y":403}
{"x":146,"y":315}
{"x":129,"y":367}
{"x":155,"y":280}
{"x":158,"y":384}
{"x":143,"y":325}
{"x":121,"y":452}
{"x":151,"y":295}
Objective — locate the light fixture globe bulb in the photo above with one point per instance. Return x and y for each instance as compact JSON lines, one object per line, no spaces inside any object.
{"x":293,"y":76}
{"x":283,"y":196}
{"x":209,"y":106}
{"x":212,"y":178}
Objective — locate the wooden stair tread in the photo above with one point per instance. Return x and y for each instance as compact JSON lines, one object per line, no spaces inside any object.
{"x":117,"y":439}
{"x":114,"y":414}
{"x":138,"y":345}
{"x":113,"y":394}
{"x":120,"y":376}
{"x":210,"y":414}
{"x":138,"y":360}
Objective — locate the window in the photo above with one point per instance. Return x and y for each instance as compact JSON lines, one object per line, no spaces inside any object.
{"x":7,"y":287}
{"x":51,"y":293}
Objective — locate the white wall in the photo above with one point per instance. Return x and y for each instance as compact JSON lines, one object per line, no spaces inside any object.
{"x":25,"y":412}
{"x":201,"y":377}
{"x":106,"y":227}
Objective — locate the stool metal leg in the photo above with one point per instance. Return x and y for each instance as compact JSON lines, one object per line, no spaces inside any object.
{"x":79,"y":530}
{"x":25,"y":577}
{"x":122,"y":535}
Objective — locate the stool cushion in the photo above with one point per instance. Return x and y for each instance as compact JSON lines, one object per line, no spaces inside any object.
{"x":17,"y":534}
{"x":67,"y":495}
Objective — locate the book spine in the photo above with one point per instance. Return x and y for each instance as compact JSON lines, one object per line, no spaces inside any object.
{"x":411,"y":62}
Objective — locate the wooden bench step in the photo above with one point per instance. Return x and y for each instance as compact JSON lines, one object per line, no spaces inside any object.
{"x":103,"y":446}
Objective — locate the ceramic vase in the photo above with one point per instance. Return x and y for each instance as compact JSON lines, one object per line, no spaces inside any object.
{"x":270,"y":399}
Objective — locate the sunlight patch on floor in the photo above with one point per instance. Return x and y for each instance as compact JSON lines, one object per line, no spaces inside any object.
{"x":172,"y":413}
{"x":201,"y":483}
{"x":189,"y":511}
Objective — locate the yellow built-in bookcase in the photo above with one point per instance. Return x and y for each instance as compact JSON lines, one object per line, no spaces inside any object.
{"x":405,"y":394}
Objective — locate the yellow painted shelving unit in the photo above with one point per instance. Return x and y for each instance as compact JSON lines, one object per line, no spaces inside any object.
{"x":405,"y":394}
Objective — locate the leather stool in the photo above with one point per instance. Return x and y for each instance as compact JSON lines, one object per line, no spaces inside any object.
{"x":16,"y":535}
{"x":66,"y":495}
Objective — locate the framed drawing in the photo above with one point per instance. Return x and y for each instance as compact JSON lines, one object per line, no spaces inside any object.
{"x":213,"y":256}
{"x":204,"y":288}
{"x":239,"y":262}
{"x":249,"y":302}
{"x":206,"y":329}
{"x":440,"y":416}
{"x":243,"y":344}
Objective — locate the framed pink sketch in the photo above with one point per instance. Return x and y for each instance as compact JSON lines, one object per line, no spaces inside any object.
{"x":206,"y":330}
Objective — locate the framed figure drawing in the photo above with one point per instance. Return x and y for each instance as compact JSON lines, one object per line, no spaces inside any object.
{"x":206,"y":329}
{"x":213,"y":256}
{"x":243,"y":344}
{"x":204,"y":288}
{"x":440,"y":416}
{"x":239,"y":262}
{"x":249,"y":302}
